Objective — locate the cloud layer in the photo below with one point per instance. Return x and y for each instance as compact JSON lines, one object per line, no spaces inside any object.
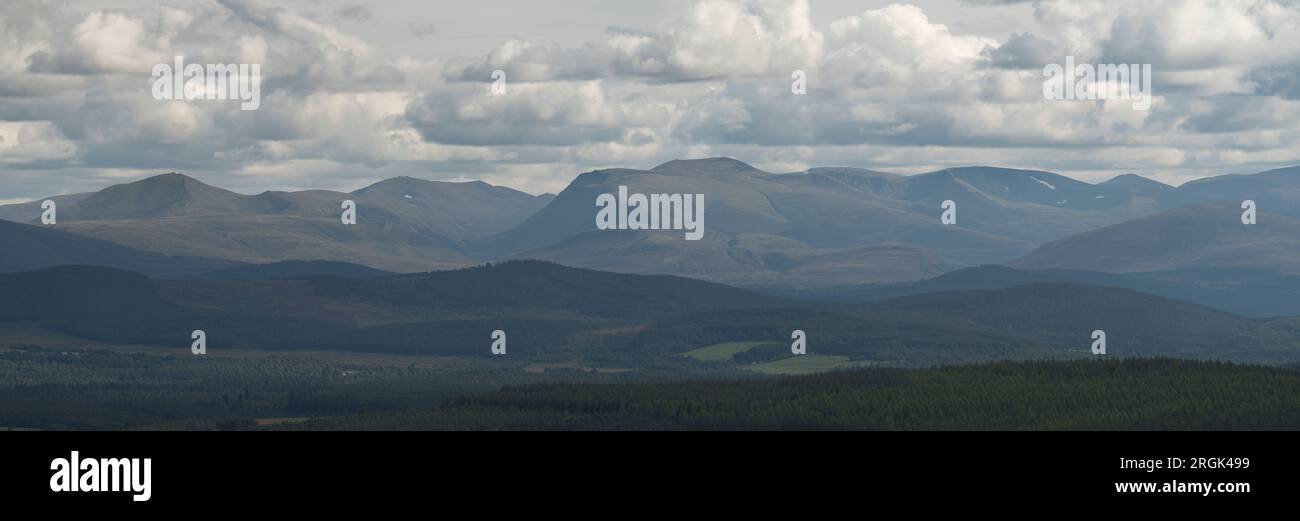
{"x":891,"y":88}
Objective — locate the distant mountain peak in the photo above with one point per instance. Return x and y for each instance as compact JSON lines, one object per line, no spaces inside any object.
{"x":402,"y":180}
{"x":1134,"y":180}
{"x":712,"y":165}
{"x":401,"y":183}
{"x":172,"y":178}
{"x":174,"y":185}
{"x":170,"y":194}
{"x":997,"y":170}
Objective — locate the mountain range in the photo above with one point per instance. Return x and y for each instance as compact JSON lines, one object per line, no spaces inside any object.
{"x":403,"y":224}
{"x":818,"y":228}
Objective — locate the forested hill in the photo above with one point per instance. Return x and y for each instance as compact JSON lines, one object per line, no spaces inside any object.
{"x":546,"y":285}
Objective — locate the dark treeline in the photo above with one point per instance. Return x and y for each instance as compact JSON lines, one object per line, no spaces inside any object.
{"x":1080,"y":395}
{"x":96,"y":389}
{"x":100,"y":389}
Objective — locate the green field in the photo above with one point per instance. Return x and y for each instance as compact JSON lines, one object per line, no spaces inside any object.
{"x":805,"y":364}
{"x":795,"y":365}
{"x":721,"y":352}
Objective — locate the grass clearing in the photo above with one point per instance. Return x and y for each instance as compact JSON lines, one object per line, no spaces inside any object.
{"x":805,"y":364}
{"x":263,"y":422}
{"x":720,"y":352}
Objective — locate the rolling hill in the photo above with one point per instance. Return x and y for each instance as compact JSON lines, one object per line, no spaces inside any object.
{"x":30,"y":212}
{"x":1191,"y":237}
{"x":1275,"y":191}
{"x":1136,"y":324}
{"x":531,"y":289}
{"x":25,"y":248}
{"x":1040,"y":321}
{"x":548,"y":307}
{"x":295,"y":269}
{"x":1247,"y":292}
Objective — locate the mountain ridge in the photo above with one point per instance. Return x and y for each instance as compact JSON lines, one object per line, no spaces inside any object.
{"x":824,"y":226}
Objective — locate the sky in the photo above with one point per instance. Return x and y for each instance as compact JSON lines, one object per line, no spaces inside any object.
{"x":353,"y":93}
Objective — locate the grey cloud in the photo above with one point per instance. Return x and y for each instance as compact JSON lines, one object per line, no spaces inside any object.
{"x":353,"y":12}
{"x":150,"y":155}
{"x":437,"y":118}
{"x":621,"y":54}
{"x":1240,"y":114}
{"x":1283,"y":81}
{"x":1023,"y":51}
{"x":420,"y":30}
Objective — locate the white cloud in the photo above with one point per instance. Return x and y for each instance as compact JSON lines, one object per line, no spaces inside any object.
{"x":714,"y":39}
{"x":33,"y":142}
{"x":898,"y":86}
{"x":112,"y":42}
{"x":552,"y":113}
{"x":729,"y":38}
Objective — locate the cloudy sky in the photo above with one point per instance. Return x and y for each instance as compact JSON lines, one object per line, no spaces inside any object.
{"x":357,"y":92}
